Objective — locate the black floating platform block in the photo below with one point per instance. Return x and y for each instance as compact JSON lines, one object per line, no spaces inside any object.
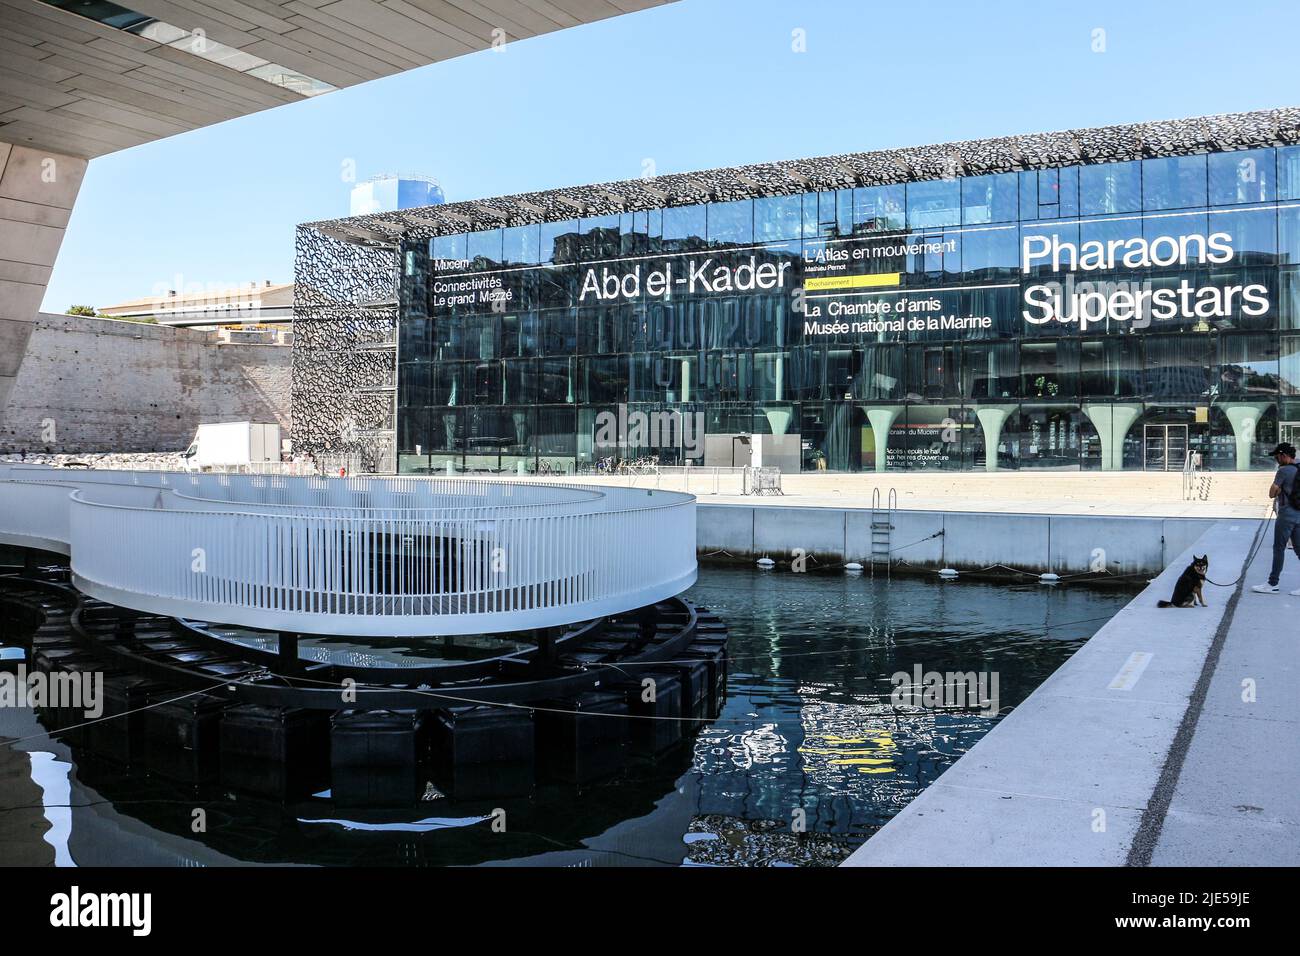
{"x":376,"y":757}
{"x":584,"y":658}
{"x":608,"y":647}
{"x":69,"y":674}
{"x":50,"y":638}
{"x":281,"y":752}
{"x":182,"y":737}
{"x":121,"y":738}
{"x":49,"y":656}
{"x":54,"y":573}
{"x":714,"y":657}
{"x":696,"y":690}
{"x":485,"y":751}
{"x":655,"y":725}
{"x":93,"y":613}
{"x":582,"y":739}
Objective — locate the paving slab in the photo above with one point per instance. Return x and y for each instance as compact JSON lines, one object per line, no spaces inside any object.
{"x":1241,"y":768}
{"x":956,"y":831}
{"x":1189,"y":839}
{"x":1087,"y":749}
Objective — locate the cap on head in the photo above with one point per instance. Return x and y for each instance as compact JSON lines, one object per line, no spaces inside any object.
{"x":1283,"y":448}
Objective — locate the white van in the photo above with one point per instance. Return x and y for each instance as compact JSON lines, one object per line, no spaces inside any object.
{"x":233,"y":446}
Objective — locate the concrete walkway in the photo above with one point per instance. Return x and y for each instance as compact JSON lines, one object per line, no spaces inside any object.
{"x":1171,"y":738}
{"x":1237,"y":798}
{"x":1148,"y":494}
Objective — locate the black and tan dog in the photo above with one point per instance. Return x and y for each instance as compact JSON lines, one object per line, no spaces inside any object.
{"x":1187,"y":589}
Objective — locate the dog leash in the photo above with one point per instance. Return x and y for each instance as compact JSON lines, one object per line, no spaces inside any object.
{"x":1256,"y":544}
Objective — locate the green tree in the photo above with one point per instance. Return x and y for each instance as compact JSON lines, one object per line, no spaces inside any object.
{"x":81,"y":310}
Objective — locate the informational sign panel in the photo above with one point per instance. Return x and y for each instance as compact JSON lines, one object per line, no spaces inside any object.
{"x":1162,"y":272}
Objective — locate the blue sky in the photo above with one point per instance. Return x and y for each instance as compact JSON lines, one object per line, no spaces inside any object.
{"x":696,"y":84}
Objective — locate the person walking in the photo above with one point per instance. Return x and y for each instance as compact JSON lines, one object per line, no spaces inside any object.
{"x":1286,"y":530}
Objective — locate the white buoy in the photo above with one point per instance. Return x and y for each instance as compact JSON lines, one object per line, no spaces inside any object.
{"x":1049,"y":578}
{"x":947,"y":572}
{"x":766,"y":563}
{"x":853,"y":567}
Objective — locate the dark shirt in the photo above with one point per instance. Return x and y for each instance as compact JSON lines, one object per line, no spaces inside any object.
{"x":1285,"y":479}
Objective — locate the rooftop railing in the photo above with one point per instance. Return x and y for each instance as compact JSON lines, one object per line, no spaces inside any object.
{"x":396,"y":556}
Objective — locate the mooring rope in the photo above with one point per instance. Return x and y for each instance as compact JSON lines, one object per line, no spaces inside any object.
{"x":126,"y":713}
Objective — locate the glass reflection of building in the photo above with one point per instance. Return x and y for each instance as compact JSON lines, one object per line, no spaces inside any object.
{"x":386,"y":193}
{"x":517,"y":378}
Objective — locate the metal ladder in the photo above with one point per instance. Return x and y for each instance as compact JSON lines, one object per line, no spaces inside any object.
{"x":882,"y":528}
{"x":1196,"y":482}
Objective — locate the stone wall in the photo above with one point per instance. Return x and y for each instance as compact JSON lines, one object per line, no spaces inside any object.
{"x":103,"y":385}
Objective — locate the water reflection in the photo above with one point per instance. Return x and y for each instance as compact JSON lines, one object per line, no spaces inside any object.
{"x":812,"y":659}
{"x":809,"y":758}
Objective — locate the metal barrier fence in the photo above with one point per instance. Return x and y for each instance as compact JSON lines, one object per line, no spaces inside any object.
{"x":690,"y":479}
{"x":763,"y":481}
{"x":697,"y":479}
{"x":300,"y":467}
{"x":704,"y":480}
{"x":378,"y":557}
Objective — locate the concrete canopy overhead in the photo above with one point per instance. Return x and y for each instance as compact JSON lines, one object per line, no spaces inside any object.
{"x":78,"y":87}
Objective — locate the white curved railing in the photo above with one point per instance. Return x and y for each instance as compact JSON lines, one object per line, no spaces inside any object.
{"x":377,"y":557}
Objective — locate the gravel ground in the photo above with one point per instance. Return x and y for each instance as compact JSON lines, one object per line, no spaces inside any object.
{"x":144,"y":461}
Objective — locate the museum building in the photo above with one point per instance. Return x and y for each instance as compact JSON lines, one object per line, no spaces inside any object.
{"x":1113,"y":298}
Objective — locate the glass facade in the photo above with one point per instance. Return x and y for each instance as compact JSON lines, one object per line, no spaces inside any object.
{"x":390,"y":193}
{"x":1107,"y":316}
